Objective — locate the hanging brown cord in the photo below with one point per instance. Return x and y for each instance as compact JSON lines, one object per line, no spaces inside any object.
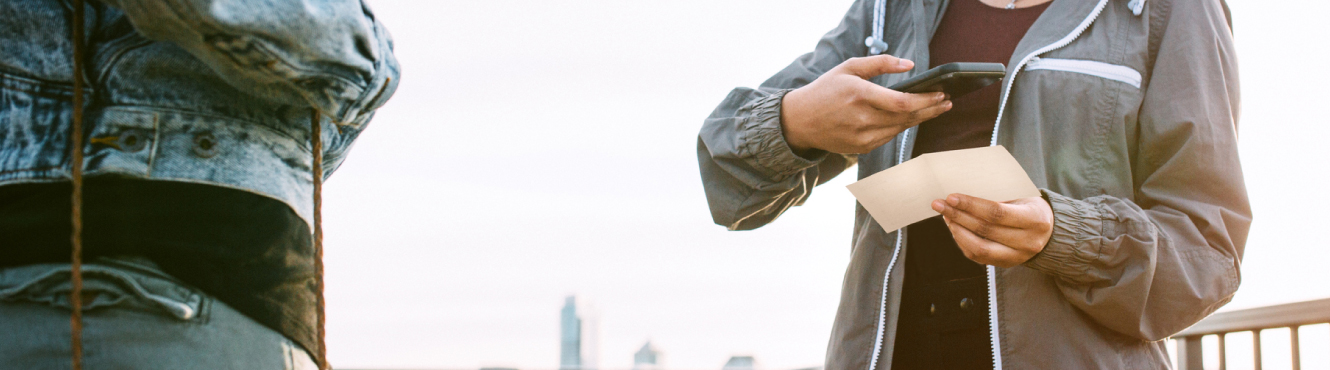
{"x":315,"y":132}
{"x":76,"y":199}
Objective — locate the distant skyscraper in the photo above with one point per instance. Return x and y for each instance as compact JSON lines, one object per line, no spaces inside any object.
{"x":647,"y":358}
{"x":740,"y":363}
{"x":579,"y":346}
{"x":570,"y":329}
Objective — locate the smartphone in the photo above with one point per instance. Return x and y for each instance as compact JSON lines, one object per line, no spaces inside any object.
{"x":955,"y":79}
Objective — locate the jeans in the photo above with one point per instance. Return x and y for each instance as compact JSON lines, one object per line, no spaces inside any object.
{"x":134,"y":317}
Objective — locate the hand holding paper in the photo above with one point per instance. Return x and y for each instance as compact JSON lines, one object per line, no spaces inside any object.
{"x":973,"y":182}
{"x":1000,"y":234}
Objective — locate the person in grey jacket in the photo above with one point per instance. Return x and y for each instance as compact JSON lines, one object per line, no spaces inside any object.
{"x":197,"y":205}
{"x":1123,"y":112}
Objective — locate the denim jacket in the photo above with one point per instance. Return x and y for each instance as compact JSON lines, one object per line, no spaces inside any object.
{"x":219,"y":92}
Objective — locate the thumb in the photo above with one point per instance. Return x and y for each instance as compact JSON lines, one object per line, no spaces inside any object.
{"x":873,"y":66}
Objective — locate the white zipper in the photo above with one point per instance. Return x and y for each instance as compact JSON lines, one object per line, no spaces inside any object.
{"x":1002,"y":106}
{"x":882,"y":312}
{"x":1098,"y":69}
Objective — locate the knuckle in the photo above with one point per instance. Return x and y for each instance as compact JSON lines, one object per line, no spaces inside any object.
{"x":857,"y":94}
{"x":918,"y":115}
{"x":961,"y":202}
{"x":850,"y":63}
{"x":850,"y":99}
{"x":984,"y":230}
{"x":863,"y":118}
{"x":865,"y":143}
{"x":979,"y":253}
{"x":1032,"y":249}
{"x":856,"y":63}
{"x":900,"y":103}
{"x":997,"y":213}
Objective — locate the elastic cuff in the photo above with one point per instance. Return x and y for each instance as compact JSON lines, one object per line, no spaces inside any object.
{"x":763,"y":142}
{"x":1074,"y":246}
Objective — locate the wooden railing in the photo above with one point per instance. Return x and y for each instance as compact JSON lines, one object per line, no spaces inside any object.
{"x":1292,"y":316}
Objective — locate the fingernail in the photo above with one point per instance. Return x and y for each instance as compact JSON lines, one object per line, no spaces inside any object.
{"x":946,"y":105}
{"x":906,"y":63}
{"x":940,"y":97}
{"x":953,"y":200}
{"x":939,"y":206}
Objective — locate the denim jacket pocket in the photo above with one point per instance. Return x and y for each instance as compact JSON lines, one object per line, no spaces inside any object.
{"x":104,"y":286}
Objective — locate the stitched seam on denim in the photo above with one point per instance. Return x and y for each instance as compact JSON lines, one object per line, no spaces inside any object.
{"x":31,"y":170}
{"x":19,"y":77}
{"x":40,"y":87}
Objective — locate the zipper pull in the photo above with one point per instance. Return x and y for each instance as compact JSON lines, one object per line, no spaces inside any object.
{"x":1137,"y":6}
{"x":875,"y":46}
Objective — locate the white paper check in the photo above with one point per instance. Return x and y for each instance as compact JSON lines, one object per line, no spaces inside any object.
{"x":901,"y":195}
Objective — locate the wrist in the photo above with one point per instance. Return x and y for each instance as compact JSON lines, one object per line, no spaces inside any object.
{"x":791,"y":124}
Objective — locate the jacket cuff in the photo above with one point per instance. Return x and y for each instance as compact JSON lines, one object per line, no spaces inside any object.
{"x":763,"y":141}
{"x":1074,"y":246}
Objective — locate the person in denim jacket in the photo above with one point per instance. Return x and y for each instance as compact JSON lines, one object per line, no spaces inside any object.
{"x":197,"y":207}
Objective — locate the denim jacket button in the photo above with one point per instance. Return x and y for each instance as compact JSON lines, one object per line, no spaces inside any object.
{"x":132,"y":141}
{"x":205,"y":145}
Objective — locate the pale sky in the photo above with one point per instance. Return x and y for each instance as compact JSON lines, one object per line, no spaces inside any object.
{"x":537,"y":149}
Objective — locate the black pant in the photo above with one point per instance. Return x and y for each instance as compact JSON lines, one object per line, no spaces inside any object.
{"x":943,"y":320}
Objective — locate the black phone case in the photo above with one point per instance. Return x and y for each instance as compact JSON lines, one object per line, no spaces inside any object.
{"x":955,"y":79}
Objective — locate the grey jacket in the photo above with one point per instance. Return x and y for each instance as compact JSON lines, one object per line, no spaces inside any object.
{"x":218,"y":92}
{"x":1123,"y":112}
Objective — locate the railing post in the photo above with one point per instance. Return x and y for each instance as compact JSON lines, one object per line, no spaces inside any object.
{"x":1189,"y":353}
{"x":1293,"y":343}
{"x":1223,"y":358}
{"x":1256,"y":347}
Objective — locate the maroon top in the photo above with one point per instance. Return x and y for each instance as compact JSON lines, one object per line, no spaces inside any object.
{"x":943,"y":322}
